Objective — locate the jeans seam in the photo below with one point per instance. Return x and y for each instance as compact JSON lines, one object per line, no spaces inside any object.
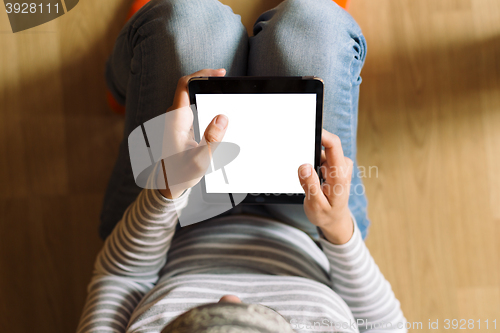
{"x":350,"y":108}
{"x":361,"y":54}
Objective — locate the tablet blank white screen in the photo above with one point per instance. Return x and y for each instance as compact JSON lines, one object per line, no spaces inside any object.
{"x":275,"y":133}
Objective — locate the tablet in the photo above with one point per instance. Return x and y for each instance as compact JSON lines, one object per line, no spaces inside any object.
{"x":275,"y":121}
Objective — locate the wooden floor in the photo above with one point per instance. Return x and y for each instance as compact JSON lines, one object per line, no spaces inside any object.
{"x":429,"y":121}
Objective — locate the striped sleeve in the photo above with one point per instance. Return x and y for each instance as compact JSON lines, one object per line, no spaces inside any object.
{"x":357,"y":279}
{"x":128,"y":266}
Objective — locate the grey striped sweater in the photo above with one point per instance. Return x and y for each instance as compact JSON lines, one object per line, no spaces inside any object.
{"x":144,"y":276}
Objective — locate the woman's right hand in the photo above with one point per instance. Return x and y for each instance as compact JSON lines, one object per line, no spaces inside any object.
{"x":326,"y":205}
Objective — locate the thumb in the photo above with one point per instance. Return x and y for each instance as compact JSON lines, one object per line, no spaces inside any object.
{"x":309,"y":181}
{"x":215,"y":130}
{"x":213,"y":133}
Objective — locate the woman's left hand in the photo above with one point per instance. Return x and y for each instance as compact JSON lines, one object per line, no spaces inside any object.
{"x":184,"y":164}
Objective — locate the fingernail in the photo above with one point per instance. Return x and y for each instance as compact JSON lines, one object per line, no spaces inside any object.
{"x":221,"y":121}
{"x":305,"y":171}
{"x":222,"y":70}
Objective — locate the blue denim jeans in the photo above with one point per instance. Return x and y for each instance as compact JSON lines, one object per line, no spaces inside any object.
{"x":168,"y":39}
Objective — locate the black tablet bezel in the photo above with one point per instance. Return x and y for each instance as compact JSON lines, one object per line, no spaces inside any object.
{"x":260,"y":85}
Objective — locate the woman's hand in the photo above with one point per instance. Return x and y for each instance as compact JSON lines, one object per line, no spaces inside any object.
{"x":326,"y":205}
{"x":183,"y":166}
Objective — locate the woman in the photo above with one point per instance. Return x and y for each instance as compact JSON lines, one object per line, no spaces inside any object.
{"x":254,"y":269}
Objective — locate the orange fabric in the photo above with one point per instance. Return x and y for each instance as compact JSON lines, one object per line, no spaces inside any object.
{"x":135,"y":7}
{"x":114,"y":105}
{"x":343,"y":3}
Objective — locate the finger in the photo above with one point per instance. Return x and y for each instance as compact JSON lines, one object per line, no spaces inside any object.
{"x":350,"y":166}
{"x":333,"y":149}
{"x":323,"y":157}
{"x":213,"y":133}
{"x":322,"y":165}
{"x":215,"y":130}
{"x":309,"y":181}
{"x":181,"y":97}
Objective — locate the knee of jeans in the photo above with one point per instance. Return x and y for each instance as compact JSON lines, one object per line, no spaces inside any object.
{"x":179,"y":19}
{"x":324,"y":12}
{"x":201,"y":11}
{"x":326,"y":24}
